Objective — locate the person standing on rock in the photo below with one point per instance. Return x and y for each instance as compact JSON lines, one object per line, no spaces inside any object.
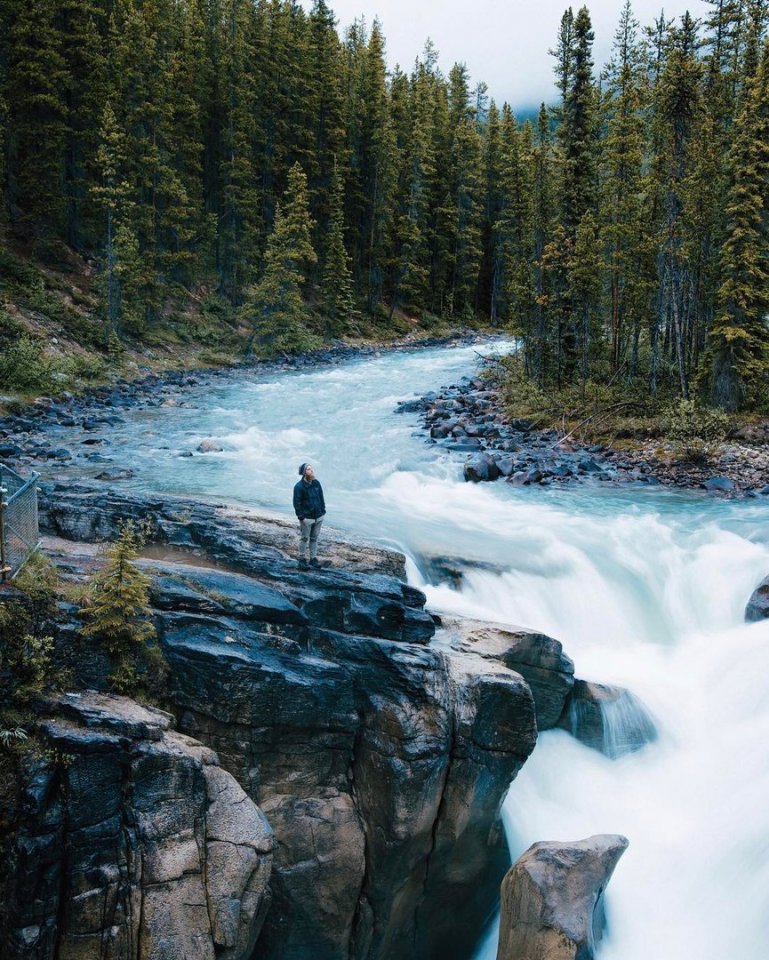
{"x":310,"y":508}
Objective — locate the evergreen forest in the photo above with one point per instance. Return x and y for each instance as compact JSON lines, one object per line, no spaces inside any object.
{"x":243,"y":152}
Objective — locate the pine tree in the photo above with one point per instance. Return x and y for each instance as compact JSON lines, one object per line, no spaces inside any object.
{"x":563,"y":52}
{"x":36,"y":83}
{"x":119,"y":616}
{"x":238,"y":186}
{"x":739,"y":339}
{"x":542,"y":216}
{"x":275,"y":307}
{"x":516,"y":227}
{"x":678,"y":102}
{"x":578,"y":140}
{"x":464,"y":254}
{"x":84,"y":27}
{"x":324,"y":101}
{"x":410,"y":257}
{"x":336,"y":287}
{"x":492,"y":270}
{"x":372,"y":167}
{"x":625,"y":229}
{"x":112,"y":196}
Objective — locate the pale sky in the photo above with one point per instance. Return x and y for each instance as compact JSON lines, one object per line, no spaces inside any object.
{"x":503,"y":42}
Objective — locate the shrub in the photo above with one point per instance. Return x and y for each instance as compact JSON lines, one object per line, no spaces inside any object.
{"x":27,"y":669}
{"x":696,"y":432}
{"x":23,"y":367}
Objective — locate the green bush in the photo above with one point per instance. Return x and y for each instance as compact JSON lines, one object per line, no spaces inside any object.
{"x":696,"y":432}
{"x":11,"y":330}
{"x":24,"y":368}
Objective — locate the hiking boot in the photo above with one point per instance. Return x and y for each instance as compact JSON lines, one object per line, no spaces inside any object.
{"x":303,"y":565}
{"x":316,"y":564}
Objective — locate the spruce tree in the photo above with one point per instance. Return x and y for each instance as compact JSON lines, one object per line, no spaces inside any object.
{"x":275,"y":307}
{"x":625,"y":229}
{"x":678,"y":104}
{"x":36,"y":83}
{"x":739,"y":339}
{"x":119,"y":616}
{"x":336,"y":288}
{"x":578,"y":140}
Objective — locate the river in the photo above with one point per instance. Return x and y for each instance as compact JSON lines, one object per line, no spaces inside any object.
{"x":644,"y":587}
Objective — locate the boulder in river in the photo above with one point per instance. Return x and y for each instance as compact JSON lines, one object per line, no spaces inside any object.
{"x":719,"y":485}
{"x":758,"y":605}
{"x":552,"y":899}
{"x":607,"y":718}
{"x":209,"y":445}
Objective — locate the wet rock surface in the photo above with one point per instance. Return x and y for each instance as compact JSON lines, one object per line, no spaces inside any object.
{"x":539,"y":659}
{"x":135,"y":843}
{"x":379,"y":758}
{"x":469,"y":417}
{"x":607,"y":718}
{"x":551,"y":899}
{"x":758,"y":605}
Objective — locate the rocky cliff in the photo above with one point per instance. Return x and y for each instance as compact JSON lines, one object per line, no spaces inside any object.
{"x":134,"y":843}
{"x":379,"y":756}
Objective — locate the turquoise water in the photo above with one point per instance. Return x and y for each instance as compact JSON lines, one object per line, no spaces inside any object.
{"x":645,"y":587}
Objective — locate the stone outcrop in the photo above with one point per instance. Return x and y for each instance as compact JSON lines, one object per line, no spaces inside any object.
{"x":552,"y":899}
{"x":381,"y":767}
{"x":134,"y":843}
{"x":538,"y":658}
{"x":609,"y":719}
{"x":379,"y":758}
{"x":758,"y":605}
{"x":231,"y":537}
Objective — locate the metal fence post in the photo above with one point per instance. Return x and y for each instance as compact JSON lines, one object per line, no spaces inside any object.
{"x":4,"y":568}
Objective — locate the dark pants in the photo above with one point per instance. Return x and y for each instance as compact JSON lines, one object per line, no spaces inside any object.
{"x":308,"y":532}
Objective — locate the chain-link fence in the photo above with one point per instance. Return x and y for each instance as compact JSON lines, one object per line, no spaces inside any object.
{"x":19,"y":531}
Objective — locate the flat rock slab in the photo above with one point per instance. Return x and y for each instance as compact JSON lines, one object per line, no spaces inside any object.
{"x":551,"y":899}
{"x":117,"y":715}
{"x":202,"y":590}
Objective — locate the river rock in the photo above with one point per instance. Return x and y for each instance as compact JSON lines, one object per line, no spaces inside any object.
{"x":607,"y":718}
{"x":480,"y":468}
{"x":539,"y":659}
{"x":236,"y":538}
{"x":552,"y":899}
{"x":140,"y":838}
{"x":209,"y":445}
{"x":758,"y":605}
{"x":719,"y":485}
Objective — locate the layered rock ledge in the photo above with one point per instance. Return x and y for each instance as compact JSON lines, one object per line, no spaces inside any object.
{"x":379,"y":758}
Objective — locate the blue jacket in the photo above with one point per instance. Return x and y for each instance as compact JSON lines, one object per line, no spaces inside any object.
{"x":308,"y":500}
